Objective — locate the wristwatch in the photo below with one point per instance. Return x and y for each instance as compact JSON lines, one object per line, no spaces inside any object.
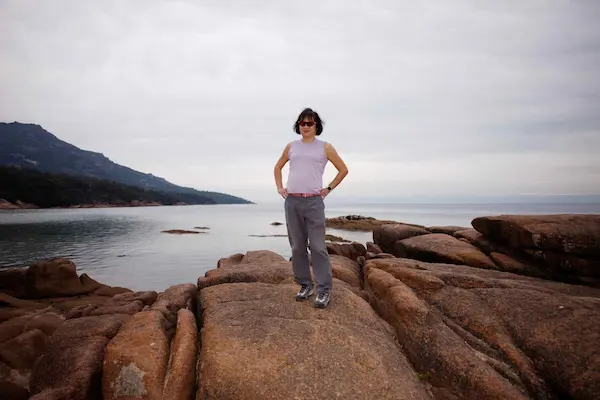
{"x":329,"y":188}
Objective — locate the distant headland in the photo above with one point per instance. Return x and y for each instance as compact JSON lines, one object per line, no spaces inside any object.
{"x":38,"y":170}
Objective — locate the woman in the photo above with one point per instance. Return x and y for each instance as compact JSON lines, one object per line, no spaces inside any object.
{"x":304,"y":197}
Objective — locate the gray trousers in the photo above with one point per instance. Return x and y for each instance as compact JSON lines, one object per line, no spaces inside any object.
{"x":305,"y":220}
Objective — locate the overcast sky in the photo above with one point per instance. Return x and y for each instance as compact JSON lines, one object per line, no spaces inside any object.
{"x":420,"y":98}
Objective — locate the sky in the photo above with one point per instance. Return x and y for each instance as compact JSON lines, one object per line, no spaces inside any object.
{"x":420,"y":98}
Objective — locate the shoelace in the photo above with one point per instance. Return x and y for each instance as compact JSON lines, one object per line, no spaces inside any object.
{"x":322,"y":296}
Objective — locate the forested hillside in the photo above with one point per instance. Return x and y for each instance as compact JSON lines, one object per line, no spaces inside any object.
{"x":59,"y":190}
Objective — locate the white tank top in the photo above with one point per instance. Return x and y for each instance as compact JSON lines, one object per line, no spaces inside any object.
{"x":307,"y":163}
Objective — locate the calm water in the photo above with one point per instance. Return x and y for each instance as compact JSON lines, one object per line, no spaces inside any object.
{"x":125,"y":246}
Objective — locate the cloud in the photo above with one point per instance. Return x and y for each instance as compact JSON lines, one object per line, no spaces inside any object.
{"x":432,"y":97}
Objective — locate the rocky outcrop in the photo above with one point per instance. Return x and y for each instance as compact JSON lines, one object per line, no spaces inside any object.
{"x":333,"y":238}
{"x":18,"y":205}
{"x":355,"y":223}
{"x":181,"y":232}
{"x":254,"y":331}
{"x":478,"y":333}
{"x":54,"y":347}
{"x":47,"y":279}
{"x":35,"y":304}
{"x":140,"y":361}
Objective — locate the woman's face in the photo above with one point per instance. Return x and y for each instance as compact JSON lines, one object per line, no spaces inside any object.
{"x":308,"y":128}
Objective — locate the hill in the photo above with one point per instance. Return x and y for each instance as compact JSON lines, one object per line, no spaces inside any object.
{"x":44,"y":189}
{"x":31,"y":146}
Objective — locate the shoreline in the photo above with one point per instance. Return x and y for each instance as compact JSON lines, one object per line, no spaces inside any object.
{"x":6,"y":205}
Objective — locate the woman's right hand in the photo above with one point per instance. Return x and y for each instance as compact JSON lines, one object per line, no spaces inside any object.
{"x":283,"y":192}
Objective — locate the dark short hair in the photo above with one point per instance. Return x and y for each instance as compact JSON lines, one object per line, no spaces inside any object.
{"x":311,"y":114}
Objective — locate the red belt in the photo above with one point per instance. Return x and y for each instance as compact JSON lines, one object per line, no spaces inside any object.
{"x":304,"y":194}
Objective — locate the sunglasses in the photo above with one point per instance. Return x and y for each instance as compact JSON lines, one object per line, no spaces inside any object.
{"x":304,"y":123}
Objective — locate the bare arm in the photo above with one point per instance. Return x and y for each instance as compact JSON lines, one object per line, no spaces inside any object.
{"x":336,"y":160}
{"x":279,"y":166}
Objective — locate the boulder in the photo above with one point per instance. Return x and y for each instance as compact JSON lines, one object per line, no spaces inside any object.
{"x":153,"y":355}
{"x":447,"y":229}
{"x":135,"y":361}
{"x":257,"y":332}
{"x":230,"y":261}
{"x":54,"y":278}
{"x":180,"y":380}
{"x":478,"y":240}
{"x":351,"y":250}
{"x":479,"y":333}
{"x":568,"y":266}
{"x":509,"y":264}
{"x":439,"y":247}
{"x":386,"y":236}
{"x":573,"y":234}
{"x":69,"y":366}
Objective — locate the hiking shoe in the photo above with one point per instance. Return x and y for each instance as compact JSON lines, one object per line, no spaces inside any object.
{"x":322,"y":299}
{"x":305,"y":292}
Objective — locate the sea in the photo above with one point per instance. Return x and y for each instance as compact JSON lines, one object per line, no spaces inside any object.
{"x":127,"y":246}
